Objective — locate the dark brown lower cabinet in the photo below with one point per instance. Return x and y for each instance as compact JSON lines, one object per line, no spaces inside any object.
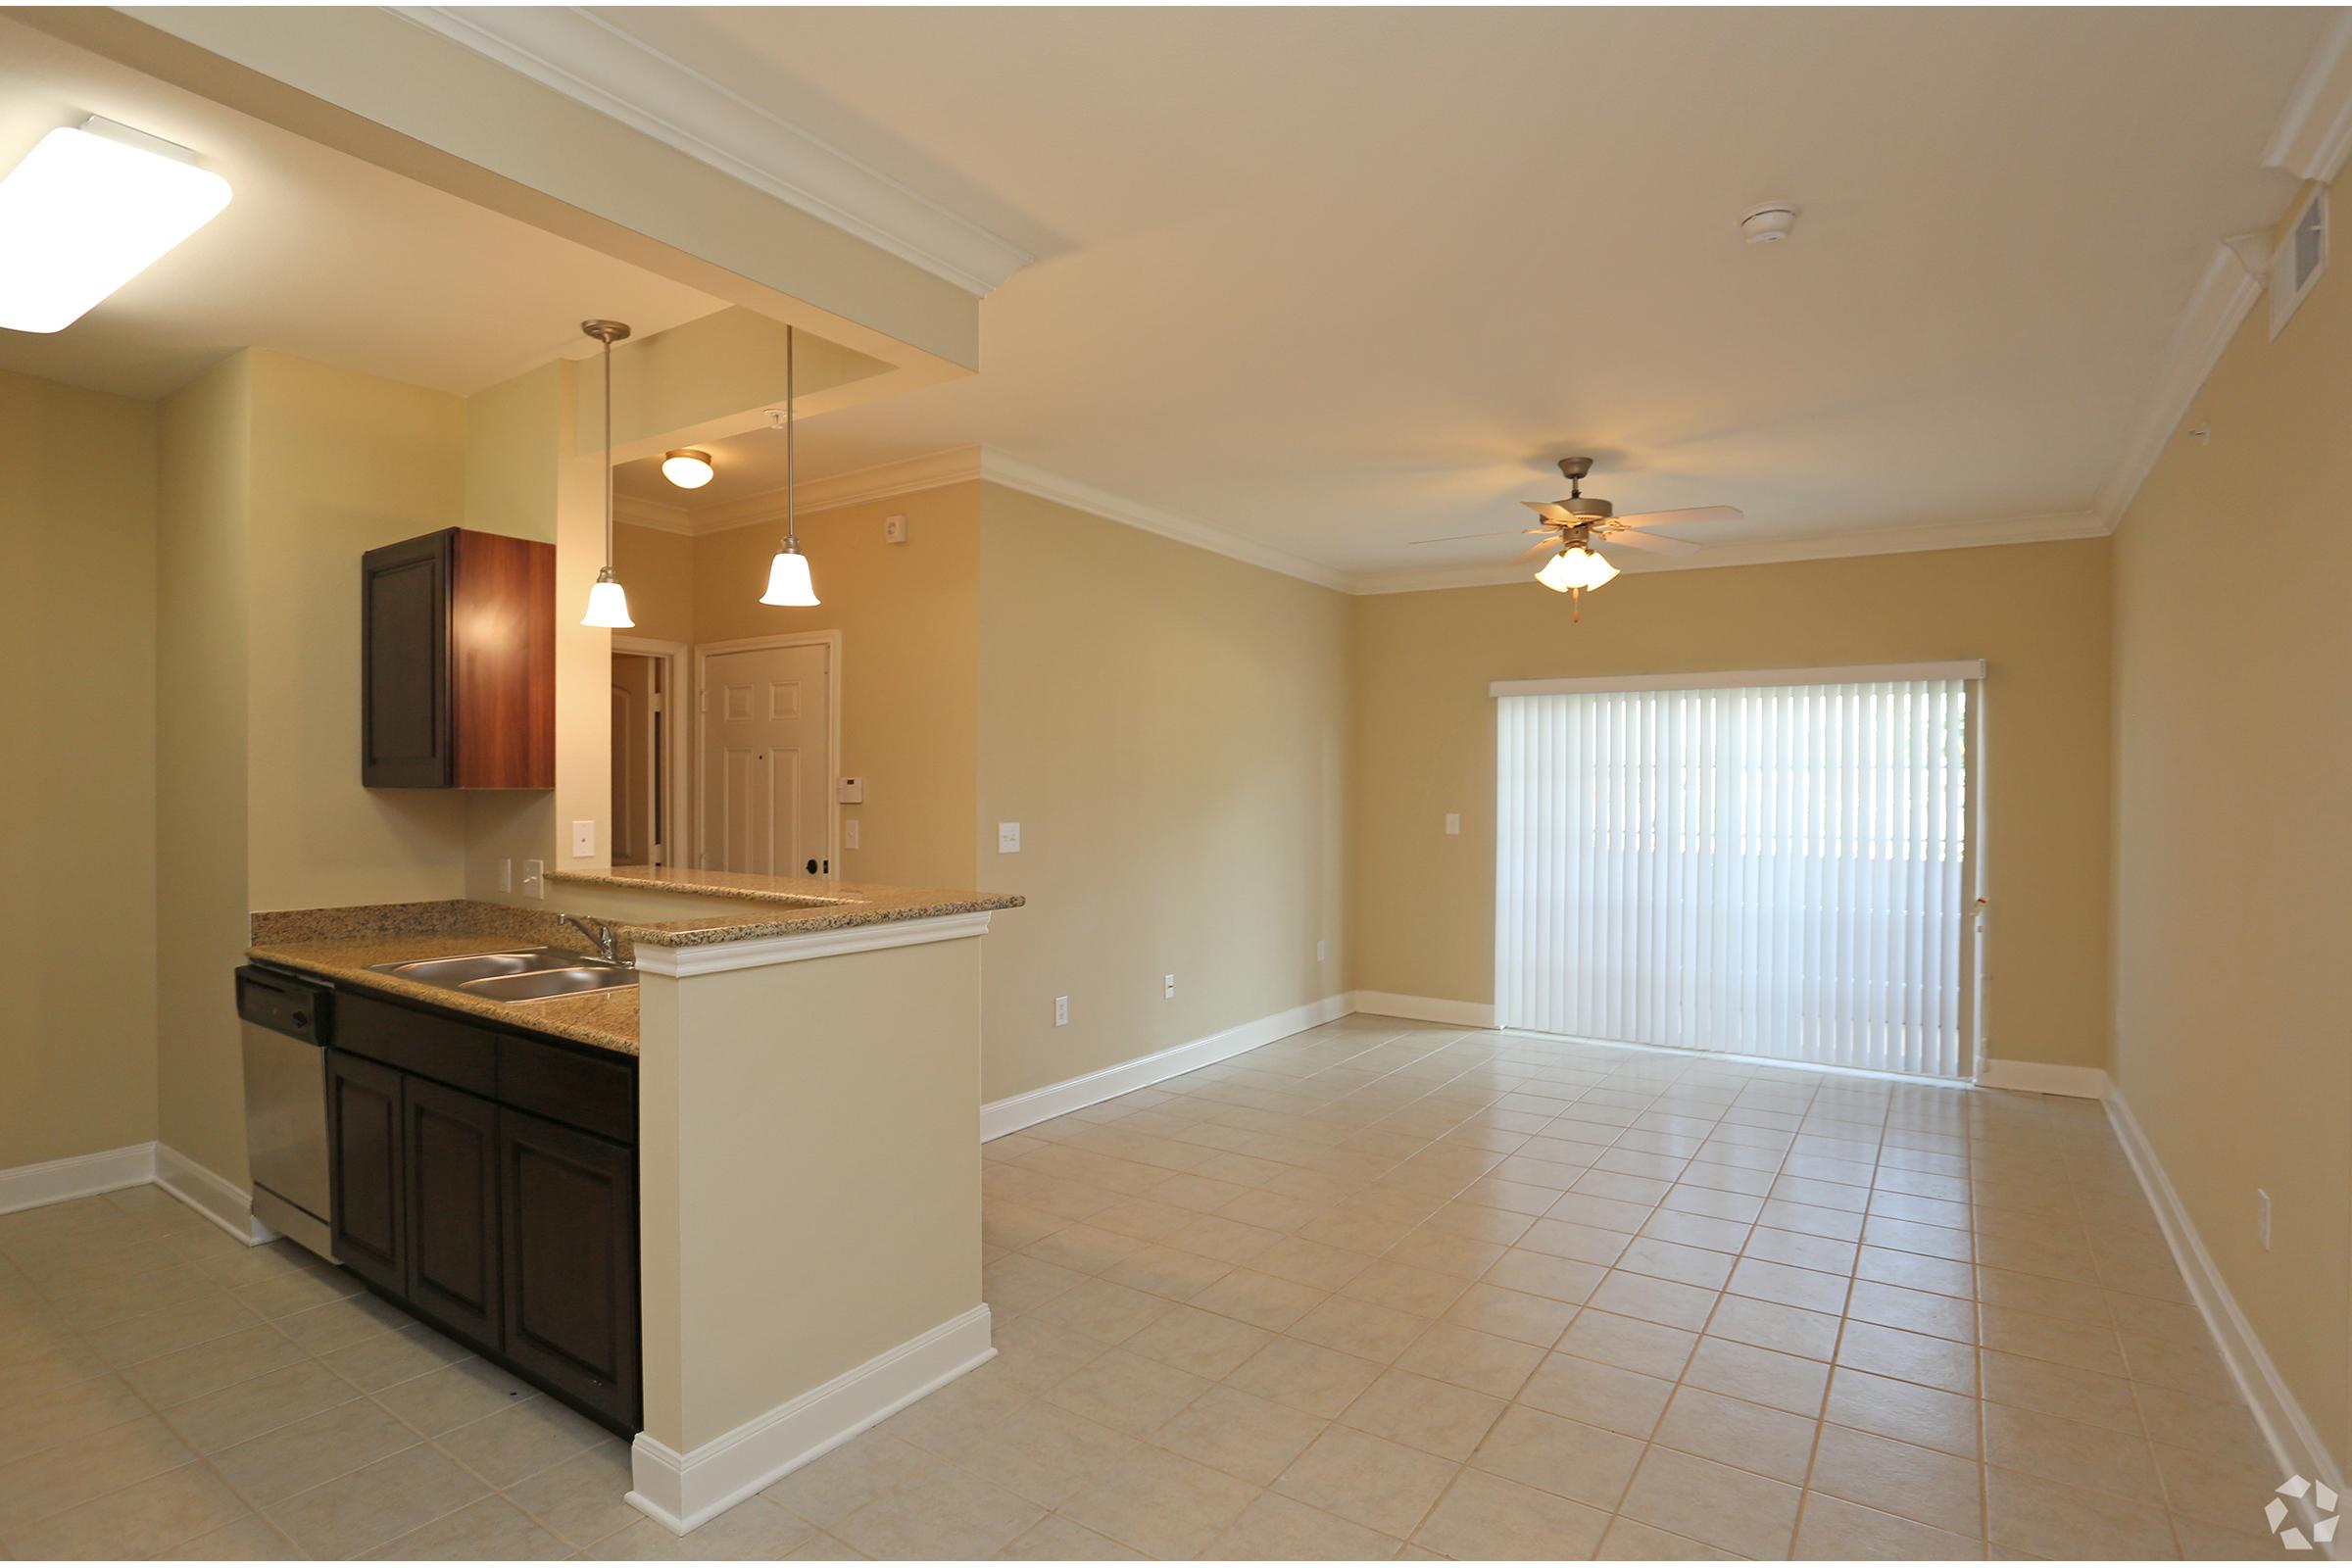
{"x":570,"y":1235}
{"x":370,"y":1206}
{"x":504,"y":1228}
{"x":451,"y":1151}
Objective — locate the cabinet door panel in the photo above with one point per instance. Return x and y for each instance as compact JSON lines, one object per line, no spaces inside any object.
{"x":363,"y":1143}
{"x":403,"y":701}
{"x":570,"y":1237}
{"x":452,"y":1255}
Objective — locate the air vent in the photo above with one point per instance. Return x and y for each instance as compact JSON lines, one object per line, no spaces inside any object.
{"x":2299,"y":260}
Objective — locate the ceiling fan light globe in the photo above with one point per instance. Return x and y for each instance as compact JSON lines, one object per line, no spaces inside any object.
{"x":1575,"y":567}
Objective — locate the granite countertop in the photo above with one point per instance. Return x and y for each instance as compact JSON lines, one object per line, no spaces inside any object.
{"x":801,"y":903}
{"x":339,"y":943}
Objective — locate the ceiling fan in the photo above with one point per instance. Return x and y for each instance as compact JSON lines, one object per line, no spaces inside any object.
{"x":1572,"y":526}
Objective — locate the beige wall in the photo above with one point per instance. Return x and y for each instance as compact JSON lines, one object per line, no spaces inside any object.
{"x":657,"y":568}
{"x":201,"y":908}
{"x":341,"y":462}
{"x":2233,"y":841}
{"x":78,"y":796}
{"x":907,"y":615}
{"x":1169,"y":728}
{"x":1424,"y":903}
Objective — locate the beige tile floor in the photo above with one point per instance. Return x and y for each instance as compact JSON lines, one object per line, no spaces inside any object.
{"x":1377,"y":1290}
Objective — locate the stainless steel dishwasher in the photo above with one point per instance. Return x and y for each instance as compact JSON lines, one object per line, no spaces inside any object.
{"x":285,"y":1104}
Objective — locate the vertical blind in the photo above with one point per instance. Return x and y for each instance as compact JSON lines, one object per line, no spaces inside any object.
{"x":1768,"y":870}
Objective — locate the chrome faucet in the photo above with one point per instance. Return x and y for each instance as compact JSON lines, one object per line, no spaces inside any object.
{"x":598,"y":932}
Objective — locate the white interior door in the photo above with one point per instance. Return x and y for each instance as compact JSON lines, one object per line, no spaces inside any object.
{"x":766,"y":770}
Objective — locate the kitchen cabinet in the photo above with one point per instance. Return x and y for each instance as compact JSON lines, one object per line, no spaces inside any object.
{"x":458,"y":663}
{"x":488,"y":1182}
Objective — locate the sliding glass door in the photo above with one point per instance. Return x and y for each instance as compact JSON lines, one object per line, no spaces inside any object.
{"x":1771,"y":869}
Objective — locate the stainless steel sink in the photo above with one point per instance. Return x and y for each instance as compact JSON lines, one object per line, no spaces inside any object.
{"x":453,"y":971}
{"x":539,"y":984}
{"x":516,"y":974}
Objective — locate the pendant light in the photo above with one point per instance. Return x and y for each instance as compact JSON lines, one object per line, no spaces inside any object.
{"x":608,"y":604}
{"x":788,"y":580}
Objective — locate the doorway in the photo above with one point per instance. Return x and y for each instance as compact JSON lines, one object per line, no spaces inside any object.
{"x":770,"y":730}
{"x":647,"y":799}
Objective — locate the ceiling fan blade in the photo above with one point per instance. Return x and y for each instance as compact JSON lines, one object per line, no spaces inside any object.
{"x":1546,"y":548}
{"x":1674,"y":520}
{"x":1554,"y":511}
{"x":1491,"y":533}
{"x":1655,"y":543}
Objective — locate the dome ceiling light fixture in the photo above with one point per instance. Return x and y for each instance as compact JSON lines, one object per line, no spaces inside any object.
{"x":1573,"y":525}
{"x":688,"y":468}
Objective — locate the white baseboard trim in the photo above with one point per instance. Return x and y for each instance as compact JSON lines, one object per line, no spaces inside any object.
{"x":2043,"y":1078}
{"x":55,"y":1181}
{"x":1012,"y":1114}
{"x":213,"y":1196}
{"x":683,"y":1491}
{"x":2296,"y":1445}
{"x":1425,"y":1010}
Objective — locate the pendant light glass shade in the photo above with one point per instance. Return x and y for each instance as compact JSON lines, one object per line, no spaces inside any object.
{"x":1578,"y":567}
{"x":687,"y":468}
{"x":788,"y":580}
{"x":607,"y":603}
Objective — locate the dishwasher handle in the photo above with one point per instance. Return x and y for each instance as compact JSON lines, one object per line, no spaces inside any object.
{"x":282,"y":1004}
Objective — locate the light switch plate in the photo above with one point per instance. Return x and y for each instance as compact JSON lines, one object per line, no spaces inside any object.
{"x":1453,"y":822}
{"x":1009,"y":838}
{"x":534,"y":879}
{"x":1169,"y":981}
{"x":849,"y":832}
{"x":894,"y":529}
{"x":583,"y":840}
{"x":505,"y":875}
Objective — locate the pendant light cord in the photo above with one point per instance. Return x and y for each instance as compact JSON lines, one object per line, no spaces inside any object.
{"x":791,"y":534}
{"x":607,"y":455}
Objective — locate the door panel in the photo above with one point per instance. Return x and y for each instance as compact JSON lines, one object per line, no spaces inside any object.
{"x":570,"y":1237}
{"x":767,"y":766}
{"x":452,"y":1158}
{"x":362,"y":1129}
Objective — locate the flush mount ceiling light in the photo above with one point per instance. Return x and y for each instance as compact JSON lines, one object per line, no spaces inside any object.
{"x":687,"y":468}
{"x":89,"y":209}
{"x":788,"y":580}
{"x":607,"y":603}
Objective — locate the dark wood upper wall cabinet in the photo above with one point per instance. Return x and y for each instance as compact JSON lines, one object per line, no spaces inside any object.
{"x":458,"y":637}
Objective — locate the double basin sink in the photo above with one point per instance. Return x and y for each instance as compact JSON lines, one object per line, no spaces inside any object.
{"x":516,"y":974}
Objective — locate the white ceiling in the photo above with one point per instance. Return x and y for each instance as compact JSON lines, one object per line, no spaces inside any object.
{"x":318,"y":255}
{"x":1333,"y":281}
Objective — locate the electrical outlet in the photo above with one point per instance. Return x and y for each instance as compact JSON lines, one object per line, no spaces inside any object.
{"x":505,"y":875}
{"x":1453,"y":823}
{"x":894,"y":529}
{"x":534,"y":879}
{"x":2262,"y":1218}
{"x":583,"y":840}
{"x":1009,"y":838}
{"x":1061,"y":1012}
{"x":849,"y":832}
{"x":1169,"y":982}
{"x":1319,"y":952}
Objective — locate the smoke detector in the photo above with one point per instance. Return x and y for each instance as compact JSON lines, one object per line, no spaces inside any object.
{"x":1769,"y":223}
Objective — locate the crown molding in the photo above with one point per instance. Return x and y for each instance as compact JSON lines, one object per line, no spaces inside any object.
{"x":596,"y":63}
{"x":1967,"y":535}
{"x":639,"y":512}
{"x":953,"y":465}
{"x":1016,"y":473}
{"x":2222,"y":296}
{"x":2315,"y":132}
